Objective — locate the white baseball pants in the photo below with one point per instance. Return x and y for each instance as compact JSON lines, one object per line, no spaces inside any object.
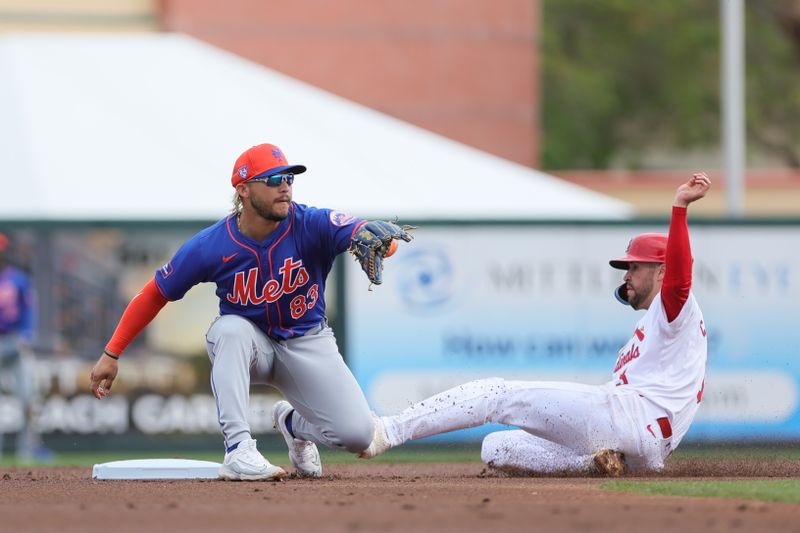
{"x":330,"y":408}
{"x":562,"y":425}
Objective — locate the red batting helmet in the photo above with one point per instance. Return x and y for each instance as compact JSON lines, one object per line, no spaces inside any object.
{"x":644,"y":248}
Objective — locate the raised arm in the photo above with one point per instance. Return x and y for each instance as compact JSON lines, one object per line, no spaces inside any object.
{"x":678,"y":262}
{"x":142,"y":309}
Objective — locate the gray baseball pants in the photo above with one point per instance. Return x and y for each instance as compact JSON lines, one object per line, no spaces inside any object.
{"x":330,"y":408}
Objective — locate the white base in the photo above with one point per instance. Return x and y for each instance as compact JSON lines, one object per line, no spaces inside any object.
{"x":157,"y":469}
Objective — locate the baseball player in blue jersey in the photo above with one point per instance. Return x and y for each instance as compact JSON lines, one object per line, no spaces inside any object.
{"x":269,"y":260}
{"x":17,"y":321}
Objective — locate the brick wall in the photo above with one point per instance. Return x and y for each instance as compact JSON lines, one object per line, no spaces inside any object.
{"x":466,"y":69}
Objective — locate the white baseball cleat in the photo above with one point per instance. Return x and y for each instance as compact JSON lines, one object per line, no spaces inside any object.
{"x":380,"y":440}
{"x":302,"y":453}
{"x":246,"y":463}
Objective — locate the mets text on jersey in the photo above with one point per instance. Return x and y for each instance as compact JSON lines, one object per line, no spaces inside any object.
{"x":292,"y":276}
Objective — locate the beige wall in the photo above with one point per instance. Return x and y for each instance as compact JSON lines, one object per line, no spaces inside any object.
{"x":768,"y":193}
{"x":78,"y":15}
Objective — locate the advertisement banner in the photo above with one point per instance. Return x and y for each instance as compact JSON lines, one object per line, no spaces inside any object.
{"x":535,"y":302}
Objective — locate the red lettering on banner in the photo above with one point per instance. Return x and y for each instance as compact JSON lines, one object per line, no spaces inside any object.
{"x":246,"y":292}
{"x":623,"y":360}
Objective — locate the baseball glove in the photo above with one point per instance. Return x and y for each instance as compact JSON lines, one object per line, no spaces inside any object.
{"x":371,"y":243}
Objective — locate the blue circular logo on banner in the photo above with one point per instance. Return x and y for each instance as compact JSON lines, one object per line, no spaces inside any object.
{"x":426,"y":278}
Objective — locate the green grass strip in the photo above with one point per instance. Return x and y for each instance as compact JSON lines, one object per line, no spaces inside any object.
{"x":767,"y":452}
{"x":770,"y":490}
{"x":275,"y":451}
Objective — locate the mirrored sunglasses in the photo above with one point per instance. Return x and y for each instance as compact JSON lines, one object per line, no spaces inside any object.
{"x":276,"y":179}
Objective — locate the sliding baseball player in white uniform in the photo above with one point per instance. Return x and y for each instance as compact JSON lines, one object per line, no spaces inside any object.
{"x":632,"y":422}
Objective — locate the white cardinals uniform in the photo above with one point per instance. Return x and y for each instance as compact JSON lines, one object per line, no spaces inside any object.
{"x":643,"y":412}
{"x":665,"y":363}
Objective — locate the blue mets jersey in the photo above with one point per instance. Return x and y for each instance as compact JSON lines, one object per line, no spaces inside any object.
{"x":16,"y":303}
{"x":279,"y":283}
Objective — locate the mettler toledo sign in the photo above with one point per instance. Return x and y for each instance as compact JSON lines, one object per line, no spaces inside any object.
{"x":535,"y":302}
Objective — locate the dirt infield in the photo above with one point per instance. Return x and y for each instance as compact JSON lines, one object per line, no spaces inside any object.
{"x":381,"y":497}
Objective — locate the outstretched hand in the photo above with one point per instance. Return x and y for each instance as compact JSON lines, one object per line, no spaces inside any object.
{"x":692,"y":190}
{"x":103,"y":374}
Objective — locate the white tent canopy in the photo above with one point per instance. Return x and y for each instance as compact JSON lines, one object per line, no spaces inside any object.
{"x":143,"y":127}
